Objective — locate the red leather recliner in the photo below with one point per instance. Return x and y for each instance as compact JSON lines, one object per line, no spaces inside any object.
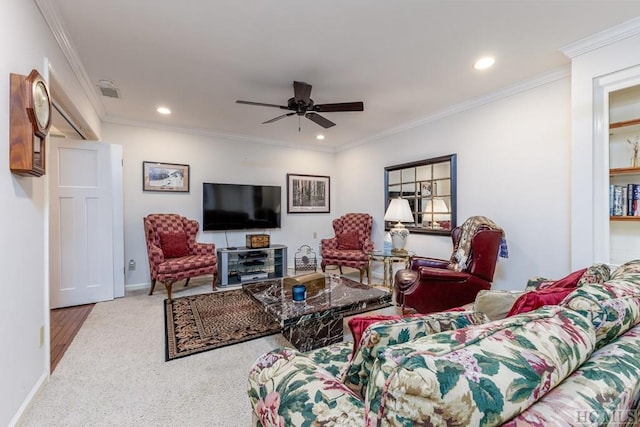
{"x":431,"y":285}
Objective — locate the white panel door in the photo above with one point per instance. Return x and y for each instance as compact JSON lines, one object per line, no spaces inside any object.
{"x":81,"y":223}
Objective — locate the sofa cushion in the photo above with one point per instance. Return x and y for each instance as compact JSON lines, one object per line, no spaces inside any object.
{"x":287,"y":388}
{"x":613,"y":307}
{"x":358,"y":324}
{"x":482,"y":375}
{"x":390,"y":332}
{"x":332,"y":358}
{"x":496,"y":303}
{"x":604,"y":390}
{"x":174,"y":244}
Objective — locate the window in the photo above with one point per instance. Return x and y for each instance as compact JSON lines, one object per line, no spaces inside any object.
{"x":430,"y":187}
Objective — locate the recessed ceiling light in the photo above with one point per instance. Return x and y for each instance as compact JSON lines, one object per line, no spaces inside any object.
{"x":163,"y":110}
{"x":320,"y":137}
{"x":484,"y":63}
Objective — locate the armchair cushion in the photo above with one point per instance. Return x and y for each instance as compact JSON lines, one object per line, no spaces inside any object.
{"x":174,"y":244}
{"x":348,"y":240}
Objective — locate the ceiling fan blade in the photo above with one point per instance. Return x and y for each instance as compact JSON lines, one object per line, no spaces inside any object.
{"x":262,"y":104}
{"x":302,"y":92}
{"x":341,"y":106}
{"x":318,"y":119}
{"x":275,"y":119}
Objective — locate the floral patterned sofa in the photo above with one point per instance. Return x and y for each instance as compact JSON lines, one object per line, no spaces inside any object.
{"x":574,"y":363}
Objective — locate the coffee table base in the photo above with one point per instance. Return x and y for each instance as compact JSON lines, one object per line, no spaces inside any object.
{"x":318,"y":320}
{"x":315,"y":332}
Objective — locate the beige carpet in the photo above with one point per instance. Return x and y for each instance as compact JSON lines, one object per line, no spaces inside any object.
{"x":115,"y":374}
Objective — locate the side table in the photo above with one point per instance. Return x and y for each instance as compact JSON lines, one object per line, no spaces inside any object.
{"x":388,"y":258}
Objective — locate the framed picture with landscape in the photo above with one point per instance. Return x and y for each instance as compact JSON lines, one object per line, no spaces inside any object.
{"x":168,"y":177}
{"x":307,"y":193}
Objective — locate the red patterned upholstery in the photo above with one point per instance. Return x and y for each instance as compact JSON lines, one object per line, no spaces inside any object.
{"x":200,"y":260}
{"x":359,"y":223}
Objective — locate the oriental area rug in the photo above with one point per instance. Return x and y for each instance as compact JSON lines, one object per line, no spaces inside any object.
{"x":198,"y":323}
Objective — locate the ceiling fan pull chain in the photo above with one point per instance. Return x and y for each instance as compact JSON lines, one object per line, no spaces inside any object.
{"x":299,"y":124}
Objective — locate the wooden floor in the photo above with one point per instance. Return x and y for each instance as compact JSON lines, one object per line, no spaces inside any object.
{"x":65,"y":324}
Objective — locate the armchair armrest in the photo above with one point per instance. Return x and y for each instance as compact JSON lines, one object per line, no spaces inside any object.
{"x":420,"y":261}
{"x":203,"y":248}
{"x":286,"y":377}
{"x":367,"y":246}
{"x":156,"y":256}
{"x":330,"y":243}
{"x":430,"y":273}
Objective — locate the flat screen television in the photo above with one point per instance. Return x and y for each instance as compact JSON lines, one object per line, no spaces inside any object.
{"x":240,"y":206}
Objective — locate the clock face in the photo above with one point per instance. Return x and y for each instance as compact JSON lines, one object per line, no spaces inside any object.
{"x":41,"y":104}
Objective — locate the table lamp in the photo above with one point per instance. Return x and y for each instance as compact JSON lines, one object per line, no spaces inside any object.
{"x":437,"y":206}
{"x":399,"y":210}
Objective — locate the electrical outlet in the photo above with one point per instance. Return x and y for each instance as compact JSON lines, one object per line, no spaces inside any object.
{"x":132,"y":264}
{"x":315,"y":234}
{"x":41,"y":336}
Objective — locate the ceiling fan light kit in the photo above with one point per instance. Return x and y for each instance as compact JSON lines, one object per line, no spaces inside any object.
{"x":302,"y":105}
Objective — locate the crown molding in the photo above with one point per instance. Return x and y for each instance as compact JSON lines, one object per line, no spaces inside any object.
{"x":54,"y":21}
{"x":214,"y":134}
{"x":603,"y":38}
{"x":558,"y":74}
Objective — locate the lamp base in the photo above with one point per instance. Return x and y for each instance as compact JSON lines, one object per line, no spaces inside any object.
{"x":401,"y":252}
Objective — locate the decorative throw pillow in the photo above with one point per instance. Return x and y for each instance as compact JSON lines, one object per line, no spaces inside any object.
{"x":569,"y":281}
{"x":496,"y":303}
{"x":535,"y":299}
{"x":597,"y":273}
{"x":174,"y":245}
{"x":348,"y":240}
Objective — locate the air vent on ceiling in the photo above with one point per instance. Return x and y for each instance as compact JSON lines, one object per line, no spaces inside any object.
{"x":107,"y":88}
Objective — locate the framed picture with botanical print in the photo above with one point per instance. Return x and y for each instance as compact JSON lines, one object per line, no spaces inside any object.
{"x":167,"y":177}
{"x":307,"y":193}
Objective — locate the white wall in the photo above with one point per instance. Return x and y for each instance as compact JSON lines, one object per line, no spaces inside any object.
{"x":25,"y":42}
{"x":213,"y":159}
{"x":513,"y":157}
{"x":589,"y":164}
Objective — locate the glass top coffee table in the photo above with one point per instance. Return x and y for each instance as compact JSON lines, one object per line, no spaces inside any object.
{"x":317,"y":321}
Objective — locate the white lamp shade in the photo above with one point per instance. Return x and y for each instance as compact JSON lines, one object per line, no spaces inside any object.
{"x":437,"y":206}
{"x":399,"y":210}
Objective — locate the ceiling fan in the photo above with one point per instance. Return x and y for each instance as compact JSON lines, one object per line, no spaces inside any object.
{"x":302,"y":105}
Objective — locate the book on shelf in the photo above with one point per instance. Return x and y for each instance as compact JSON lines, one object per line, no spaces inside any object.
{"x":624,"y":200}
{"x":617,"y":200}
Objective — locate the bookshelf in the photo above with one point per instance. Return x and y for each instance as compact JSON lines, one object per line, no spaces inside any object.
{"x":624,"y":129}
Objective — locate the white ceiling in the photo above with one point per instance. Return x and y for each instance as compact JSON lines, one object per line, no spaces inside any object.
{"x":407,"y":60}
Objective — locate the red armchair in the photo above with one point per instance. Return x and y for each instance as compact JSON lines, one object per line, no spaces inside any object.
{"x":432,"y":285}
{"x":351,"y":245}
{"x":174,"y":253}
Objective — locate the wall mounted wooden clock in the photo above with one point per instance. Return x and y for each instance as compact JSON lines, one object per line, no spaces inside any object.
{"x":30,"y":120}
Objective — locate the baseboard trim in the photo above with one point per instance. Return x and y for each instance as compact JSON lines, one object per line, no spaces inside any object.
{"x":136,"y":286}
{"x":37,"y":388}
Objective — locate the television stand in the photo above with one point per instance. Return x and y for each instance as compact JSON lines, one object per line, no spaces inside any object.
{"x":242,"y":265}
